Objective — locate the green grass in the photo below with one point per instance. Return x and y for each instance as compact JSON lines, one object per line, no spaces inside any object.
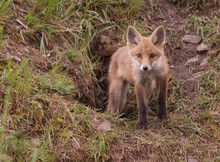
{"x":206,"y":27}
{"x":4,"y":6}
{"x":208,"y":81}
{"x":24,"y":149}
{"x":58,"y":81}
{"x":99,"y":149}
{"x":41,"y":118}
{"x":189,"y":5}
{"x":1,"y":36}
{"x":18,"y":85}
{"x":195,"y":3}
{"x":23,"y":103}
{"x":35,"y":103}
{"x":76,"y":25}
{"x":42,"y":122}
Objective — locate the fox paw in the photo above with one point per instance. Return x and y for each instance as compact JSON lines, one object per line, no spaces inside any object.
{"x":142,"y":124}
{"x":163,"y":116}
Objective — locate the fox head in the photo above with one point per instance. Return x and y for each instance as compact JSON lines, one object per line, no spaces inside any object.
{"x":146,"y":52}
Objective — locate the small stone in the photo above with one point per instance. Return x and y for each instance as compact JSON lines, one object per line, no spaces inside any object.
{"x":193,"y":39}
{"x":105,"y":125}
{"x":172,"y":66}
{"x":202,"y":48}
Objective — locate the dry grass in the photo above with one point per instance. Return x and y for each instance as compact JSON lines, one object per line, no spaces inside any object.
{"x":48,"y":69}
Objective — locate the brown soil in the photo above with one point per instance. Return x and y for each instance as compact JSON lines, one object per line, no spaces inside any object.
{"x":164,"y":12}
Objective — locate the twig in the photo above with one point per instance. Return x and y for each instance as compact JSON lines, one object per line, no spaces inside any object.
{"x":22,"y":24}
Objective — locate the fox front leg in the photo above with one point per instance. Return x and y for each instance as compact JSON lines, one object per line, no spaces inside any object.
{"x":141,"y":105}
{"x":162,"y":97}
{"x":117,"y":96}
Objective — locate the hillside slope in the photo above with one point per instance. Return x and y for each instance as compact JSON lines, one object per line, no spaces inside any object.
{"x":54,"y":60}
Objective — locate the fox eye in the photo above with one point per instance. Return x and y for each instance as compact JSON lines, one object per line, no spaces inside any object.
{"x":139,"y":55}
{"x":152,"y":55}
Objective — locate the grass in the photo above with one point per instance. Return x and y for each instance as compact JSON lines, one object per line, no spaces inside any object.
{"x":77,"y":27}
{"x":42,"y":115}
{"x":17,"y":81}
{"x":209,"y":80}
{"x":4,"y":6}
{"x":58,"y":81}
{"x":205,"y":27}
{"x":39,"y":105}
{"x":1,"y":36}
{"x":189,"y":5}
{"x":99,"y":149}
{"x":23,"y":107}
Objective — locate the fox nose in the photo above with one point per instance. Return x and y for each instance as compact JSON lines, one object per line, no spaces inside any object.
{"x":145,"y":68}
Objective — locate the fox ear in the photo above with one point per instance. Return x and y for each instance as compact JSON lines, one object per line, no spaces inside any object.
{"x":133,"y":36}
{"x":158,"y":36}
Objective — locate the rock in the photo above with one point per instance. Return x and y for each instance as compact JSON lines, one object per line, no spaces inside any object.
{"x":192,"y":60}
{"x":202,"y":48}
{"x":105,"y":125}
{"x":193,"y":39}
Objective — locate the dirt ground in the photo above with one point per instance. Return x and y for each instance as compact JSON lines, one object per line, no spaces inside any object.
{"x":191,"y":133}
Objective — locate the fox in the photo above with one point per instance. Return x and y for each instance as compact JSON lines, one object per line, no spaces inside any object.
{"x":143,"y":64}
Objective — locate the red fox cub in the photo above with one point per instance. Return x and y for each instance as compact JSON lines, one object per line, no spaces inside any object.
{"x":143,"y":63}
